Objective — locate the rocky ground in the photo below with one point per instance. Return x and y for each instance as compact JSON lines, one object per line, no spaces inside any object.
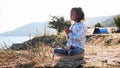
{"x":101,"y":51}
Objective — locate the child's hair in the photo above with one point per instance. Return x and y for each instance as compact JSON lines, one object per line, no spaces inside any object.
{"x":79,"y":12}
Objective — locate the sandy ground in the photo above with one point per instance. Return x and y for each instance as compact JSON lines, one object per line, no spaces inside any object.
{"x":102,"y":56}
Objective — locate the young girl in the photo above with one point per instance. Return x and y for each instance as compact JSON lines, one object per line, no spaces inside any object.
{"x":75,"y":34}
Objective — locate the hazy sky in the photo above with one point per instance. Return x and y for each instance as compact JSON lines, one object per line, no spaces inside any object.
{"x":16,"y":13}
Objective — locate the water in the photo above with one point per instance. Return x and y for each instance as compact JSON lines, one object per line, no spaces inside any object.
{"x":9,"y":40}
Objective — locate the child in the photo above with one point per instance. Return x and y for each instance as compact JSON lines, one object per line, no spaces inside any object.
{"x":76,"y":34}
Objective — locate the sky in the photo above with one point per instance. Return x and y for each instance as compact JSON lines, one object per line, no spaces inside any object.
{"x":16,"y":13}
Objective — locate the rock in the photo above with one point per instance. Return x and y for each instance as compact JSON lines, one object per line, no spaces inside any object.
{"x":32,"y":43}
{"x":71,"y":61}
{"x":19,"y":46}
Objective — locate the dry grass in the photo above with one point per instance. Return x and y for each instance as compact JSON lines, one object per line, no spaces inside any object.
{"x":43,"y":56}
{"x":105,"y":40}
{"x":39,"y":56}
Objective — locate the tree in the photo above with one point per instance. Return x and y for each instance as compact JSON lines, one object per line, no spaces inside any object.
{"x":98,"y":25}
{"x":117,"y":23}
{"x":58,"y":23}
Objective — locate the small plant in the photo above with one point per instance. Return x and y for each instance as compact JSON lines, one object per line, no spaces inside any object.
{"x":98,"y":25}
{"x":59,"y":24}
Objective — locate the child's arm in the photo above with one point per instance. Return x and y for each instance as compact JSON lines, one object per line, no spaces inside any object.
{"x":79,"y":33}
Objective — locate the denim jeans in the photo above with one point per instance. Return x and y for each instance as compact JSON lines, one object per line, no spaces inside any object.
{"x":71,"y":52}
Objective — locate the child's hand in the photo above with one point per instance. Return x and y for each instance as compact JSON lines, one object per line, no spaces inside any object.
{"x":67,"y":31}
{"x":68,"y":48}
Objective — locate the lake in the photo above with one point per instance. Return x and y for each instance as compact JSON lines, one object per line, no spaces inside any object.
{"x":9,"y":40}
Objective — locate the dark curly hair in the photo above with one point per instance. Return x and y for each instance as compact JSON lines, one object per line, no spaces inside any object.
{"x":79,"y":12}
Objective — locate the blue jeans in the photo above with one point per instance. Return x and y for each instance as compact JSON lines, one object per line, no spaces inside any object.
{"x":71,"y":52}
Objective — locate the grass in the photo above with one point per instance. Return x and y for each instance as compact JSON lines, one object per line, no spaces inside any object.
{"x":7,"y":56}
{"x":43,"y":56}
{"x":40,"y":56}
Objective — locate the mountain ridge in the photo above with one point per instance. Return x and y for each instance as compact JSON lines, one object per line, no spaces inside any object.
{"x":38,"y":28}
{"x":34,"y":28}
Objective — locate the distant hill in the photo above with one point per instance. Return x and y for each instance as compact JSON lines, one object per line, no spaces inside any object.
{"x":37,"y":28}
{"x":107,"y":21}
{"x":90,"y":22}
{"x":32,"y":29}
